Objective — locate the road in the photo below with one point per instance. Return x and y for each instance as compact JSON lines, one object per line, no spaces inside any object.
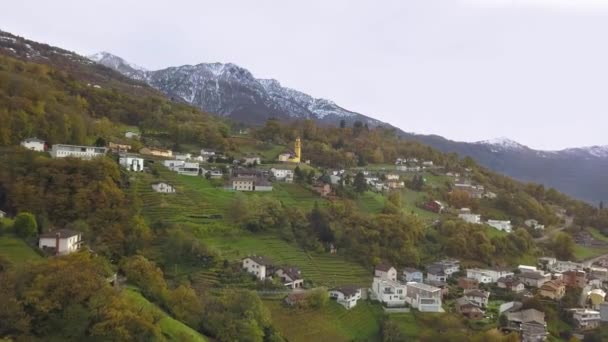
{"x":568,"y":222}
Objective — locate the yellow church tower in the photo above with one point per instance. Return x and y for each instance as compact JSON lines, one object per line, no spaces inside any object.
{"x":297,"y":149}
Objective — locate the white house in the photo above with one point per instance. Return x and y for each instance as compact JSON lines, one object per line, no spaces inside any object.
{"x":436,"y":273}
{"x":188,"y":169}
{"x":259,"y":266}
{"x":60,"y":242}
{"x":243,"y":183}
{"x":183,"y":156}
{"x":470,"y":218}
{"x":534,"y":224}
{"x":214,"y":174}
{"x":207,"y":154}
{"x":252,"y":161}
{"x":173,"y":165}
{"x":386,"y":272}
{"x":477,"y":297}
{"x":423,"y":297}
{"x":412,"y":274}
{"x":285,"y":175}
{"x":33,"y":144}
{"x":585,"y":318}
{"x":131,"y":135}
{"x":163,"y":187}
{"x":131,"y":162}
{"x":487,"y":275}
{"x":347,"y":296}
{"x":290,"y":276}
{"x":392,"y":177}
{"x":505,"y":226}
{"x":388,"y":292}
{"x":82,"y":152}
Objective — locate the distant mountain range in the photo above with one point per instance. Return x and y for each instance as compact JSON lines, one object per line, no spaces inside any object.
{"x":232,"y":91}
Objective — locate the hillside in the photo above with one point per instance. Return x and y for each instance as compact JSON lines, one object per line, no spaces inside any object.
{"x":159,"y":265}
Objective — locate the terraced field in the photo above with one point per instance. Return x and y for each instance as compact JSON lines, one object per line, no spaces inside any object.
{"x":332,"y":323}
{"x":322,"y":269}
{"x":16,"y":251}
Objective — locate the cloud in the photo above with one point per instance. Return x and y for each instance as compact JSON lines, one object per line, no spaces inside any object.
{"x":565,"y":5}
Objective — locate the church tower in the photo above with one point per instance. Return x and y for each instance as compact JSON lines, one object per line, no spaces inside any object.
{"x":298,"y":150}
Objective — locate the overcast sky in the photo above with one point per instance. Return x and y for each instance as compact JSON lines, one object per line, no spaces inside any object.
{"x":535,"y":71}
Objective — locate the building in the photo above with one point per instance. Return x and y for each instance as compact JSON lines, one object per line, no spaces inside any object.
{"x":243,"y":184}
{"x":347,"y":296}
{"x":163,"y":187}
{"x":188,"y":169}
{"x":526,"y":268}
{"x":252,"y":161}
{"x":574,"y":278}
{"x":261,"y":267}
{"x":131,"y":162}
{"x":60,"y":242}
{"x":586,"y":319}
{"x":553,"y":289}
{"x":504,"y":226}
{"x":466,"y":215}
{"x":82,"y":152}
{"x":297,"y":151}
{"x":477,"y":297}
{"x":596,"y":297}
{"x":511,"y":283}
{"x":529,"y":323}
{"x":599,"y":272}
{"x":395,"y":184}
{"x":604,"y":312}
{"x":392,"y":177}
{"x":284,"y":175}
{"x":119,"y":148}
{"x":531,"y":223}
{"x":436,"y":273}
{"x":34,"y":144}
{"x":290,"y":276}
{"x":2,"y":214}
{"x":131,"y":135}
{"x":424,"y":297}
{"x":323,"y":189}
{"x":468,"y":283}
{"x":468,"y":309}
{"x":564,"y":266}
{"x":157,"y":152}
{"x":434,"y":206}
{"x":488,"y":275}
{"x":388,"y":292}
{"x":534,"y":279}
{"x":262,"y":184}
{"x":385,"y":272}
{"x":412,"y":274}
{"x":207,"y":154}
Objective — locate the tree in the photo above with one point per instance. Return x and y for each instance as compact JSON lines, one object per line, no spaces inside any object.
{"x":563,"y":246}
{"x":100,"y":142}
{"x":360,"y":183}
{"x":342,"y":123}
{"x":25,"y":225}
{"x":185,"y":305}
{"x":298,"y":174}
{"x":391,"y":331}
{"x":318,"y":298}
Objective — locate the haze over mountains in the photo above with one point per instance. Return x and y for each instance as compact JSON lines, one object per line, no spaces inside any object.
{"x":232,"y":91}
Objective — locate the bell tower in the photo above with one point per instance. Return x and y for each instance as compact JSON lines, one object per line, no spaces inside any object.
{"x":298,"y":150}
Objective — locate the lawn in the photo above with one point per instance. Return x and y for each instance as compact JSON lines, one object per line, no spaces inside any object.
{"x":17,"y":251}
{"x":248,"y":146}
{"x":371,"y":202}
{"x":322,"y":269}
{"x":331,"y":323}
{"x":492,"y":232}
{"x":410,"y":199}
{"x":584,"y":253}
{"x":172,"y":329}
{"x":407,"y":324}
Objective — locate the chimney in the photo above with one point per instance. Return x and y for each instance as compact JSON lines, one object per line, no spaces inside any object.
{"x":57,"y":237}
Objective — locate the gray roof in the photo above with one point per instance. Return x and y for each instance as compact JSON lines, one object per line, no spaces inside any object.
{"x":347,"y":290}
{"x":63,"y":233}
{"x":261,"y":260}
{"x":527,"y":316}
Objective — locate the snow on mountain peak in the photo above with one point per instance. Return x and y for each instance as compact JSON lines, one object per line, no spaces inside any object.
{"x":502,"y":142}
{"x":113,"y":61}
{"x":593,"y":151}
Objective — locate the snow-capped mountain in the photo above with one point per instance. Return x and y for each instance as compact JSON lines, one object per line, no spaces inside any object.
{"x":230,"y":90}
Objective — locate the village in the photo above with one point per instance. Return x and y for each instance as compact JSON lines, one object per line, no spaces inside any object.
{"x":477,"y":294}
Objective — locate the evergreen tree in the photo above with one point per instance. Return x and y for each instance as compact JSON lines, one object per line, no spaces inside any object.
{"x":298,"y":174}
{"x":360,"y":183}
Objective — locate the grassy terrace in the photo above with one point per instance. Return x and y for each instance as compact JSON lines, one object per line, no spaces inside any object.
{"x":332,"y":323}
{"x":172,"y":329}
{"x":17,"y":251}
{"x":323,"y":269}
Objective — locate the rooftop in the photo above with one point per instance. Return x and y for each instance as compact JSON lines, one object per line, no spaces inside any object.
{"x":63,"y":233}
{"x":261,"y":260}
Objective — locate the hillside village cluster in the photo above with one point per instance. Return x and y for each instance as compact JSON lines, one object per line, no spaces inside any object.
{"x":396,"y":288}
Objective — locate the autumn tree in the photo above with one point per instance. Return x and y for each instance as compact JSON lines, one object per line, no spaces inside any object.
{"x":25,"y":225}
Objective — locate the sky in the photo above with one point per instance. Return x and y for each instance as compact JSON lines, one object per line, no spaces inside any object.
{"x":535,"y":71}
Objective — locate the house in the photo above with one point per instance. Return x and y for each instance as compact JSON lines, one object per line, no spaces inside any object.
{"x":82,"y":152}
{"x":534,"y":279}
{"x":183,"y":156}
{"x":529,"y":323}
{"x":504,"y":226}
{"x":586,"y":319}
{"x":290,"y":276}
{"x":388,"y":292}
{"x":510,"y":307}
{"x":563,"y":266}
{"x":466,"y":215}
{"x":424,"y":297}
{"x":531,"y":223}
{"x":296,"y":298}
{"x":163,"y":187}
{"x":434,"y":206}
{"x":61,"y":241}
{"x":34,"y":144}
{"x":385,"y":271}
{"x":489,"y":195}
{"x":213,"y":173}
{"x":243,"y":184}
{"x":412,"y":274}
{"x":283,"y":157}
{"x":553,"y":289}
{"x":526,"y":268}
{"x":450,"y":266}
{"x":188,"y":169}
{"x":600,"y":273}
{"x":468,"y":309}
{"x":347,"y":296}
{"x":131,"y":135}
{"x":131,"y":162}
{"x":322,"y":189}
{"x":488,"y":275}
{"x":395,"y":184}
{"x":207,"y":154}
{"x":436,"y":273}
{"x":157,"y":152}
{"x":261,"y":267}
{"x":261,"y":184}
{"x":468,"y":283}
{"x":334,"y":179}
{"x":284,"y":175}
{"x":119,"y":148}
{"x":574,"y":278}
{"x":596,"y":297}
{"x":474,"y":191}
{"x":478,"y":297}
{"x":511,"y":283}
{"x":252,"y":161}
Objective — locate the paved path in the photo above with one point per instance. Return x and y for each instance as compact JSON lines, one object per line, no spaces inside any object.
{"x":567,"y":223}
